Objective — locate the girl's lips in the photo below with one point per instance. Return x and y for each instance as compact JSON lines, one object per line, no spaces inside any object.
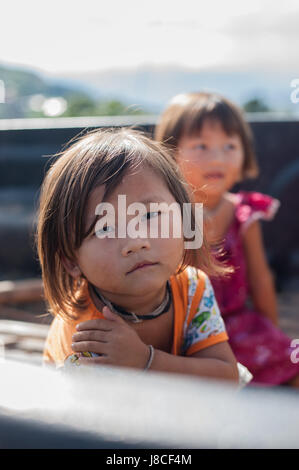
{"x":215,"y":175}
{"x":141,"y":266}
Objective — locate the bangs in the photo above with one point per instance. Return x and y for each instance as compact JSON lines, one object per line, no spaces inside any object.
{"x":214,"y":111}
{"x":114,"y":155}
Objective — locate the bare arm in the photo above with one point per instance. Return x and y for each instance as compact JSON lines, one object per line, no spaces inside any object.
{"x":119,"y":345}
{"x":217,"y":361}
{"x":259,"y":275}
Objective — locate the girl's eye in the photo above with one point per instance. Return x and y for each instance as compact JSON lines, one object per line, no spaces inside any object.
{"x":229,"y":147}
{"x":104,"y":230}
{"x":150,"y":215}
{"x":200,"y":147}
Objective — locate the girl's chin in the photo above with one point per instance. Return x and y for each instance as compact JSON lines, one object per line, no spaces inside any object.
{"x":147,"y":286}
{"x":214,"y":190}
{"x":210,"y":185}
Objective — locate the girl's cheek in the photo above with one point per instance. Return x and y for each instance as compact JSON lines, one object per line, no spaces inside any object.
{"x":190,"y":170}
{"x":191,"y":167}
{"x":236,"y":170}
{"x":237,"y":161}
{"x":181,"y":160}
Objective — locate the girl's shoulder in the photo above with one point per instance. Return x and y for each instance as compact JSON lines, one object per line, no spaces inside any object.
{"x":251,"y":206}
{"x":190,"y":275}
{"x":188,"y":284}
{"x":59,"y":339}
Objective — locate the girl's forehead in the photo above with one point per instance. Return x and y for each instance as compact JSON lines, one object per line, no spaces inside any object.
{"x":210,"y":130}
{"x":137,"y":185}
{"x":143,"y":177}
{"x":211,"y":125}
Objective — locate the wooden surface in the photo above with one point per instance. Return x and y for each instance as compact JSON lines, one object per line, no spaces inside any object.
{"x":24,"y":321}
{"x":28,"y":290}
{"x":24,"y":341}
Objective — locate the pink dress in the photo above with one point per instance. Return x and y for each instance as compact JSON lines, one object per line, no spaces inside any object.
{"x":256,"y":342}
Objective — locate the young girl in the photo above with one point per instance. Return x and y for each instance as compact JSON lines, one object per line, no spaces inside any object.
{"x":212,"y":145}
{"x":119,"y":299}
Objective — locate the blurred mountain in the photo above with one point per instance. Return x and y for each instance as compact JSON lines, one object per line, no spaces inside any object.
{"x":30,"y":93}
{"x":144,"y":89}
{"x":21,"y":83}
{"x":25,"y":87}
{"x":154,"y":86}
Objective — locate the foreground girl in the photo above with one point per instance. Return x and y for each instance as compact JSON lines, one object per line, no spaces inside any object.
{"x":126,"y":300}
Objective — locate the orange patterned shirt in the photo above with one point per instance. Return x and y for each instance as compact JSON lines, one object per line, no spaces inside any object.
{"x":197,"y":320}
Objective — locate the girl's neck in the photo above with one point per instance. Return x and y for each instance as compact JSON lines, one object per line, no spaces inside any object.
{"x":141,"y":305}
{"x":212,"y":202}
{"x":218,"y":217}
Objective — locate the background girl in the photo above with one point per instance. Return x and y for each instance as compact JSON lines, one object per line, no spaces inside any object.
{"x":162,"y":315}
{"x":212,"y":145}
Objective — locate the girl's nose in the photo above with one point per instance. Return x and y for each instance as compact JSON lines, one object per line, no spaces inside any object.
{"x":133,"y":245}
{"x":216,"y":154}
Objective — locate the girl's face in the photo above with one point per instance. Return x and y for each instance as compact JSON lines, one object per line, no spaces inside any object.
{"x":212,"y":160}
{"x":130,"y":266}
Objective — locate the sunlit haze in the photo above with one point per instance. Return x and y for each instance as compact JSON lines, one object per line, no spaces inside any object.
{"x":63,"y":36}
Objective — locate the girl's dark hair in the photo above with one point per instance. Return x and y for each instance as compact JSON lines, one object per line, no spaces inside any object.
{"x":187,"y":113}
{"x":98,"y":158}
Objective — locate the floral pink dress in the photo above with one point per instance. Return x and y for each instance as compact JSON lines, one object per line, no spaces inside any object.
{"x":257,"y":344}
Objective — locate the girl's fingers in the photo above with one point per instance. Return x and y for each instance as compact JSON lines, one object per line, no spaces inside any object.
{"x":91,"y":335}
{"x":91,"y":346}
{"x":111,"y":315}
{"x":98,"y":324}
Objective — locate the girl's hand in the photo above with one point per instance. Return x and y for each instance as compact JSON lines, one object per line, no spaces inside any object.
{"x":112,"y":337}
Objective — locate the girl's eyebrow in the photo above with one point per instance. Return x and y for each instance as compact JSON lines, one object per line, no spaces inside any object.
{"x":150,"y":199}
{"x":93,"y":218}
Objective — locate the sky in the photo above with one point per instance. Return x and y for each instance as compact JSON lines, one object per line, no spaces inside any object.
{"x":65,"y":36}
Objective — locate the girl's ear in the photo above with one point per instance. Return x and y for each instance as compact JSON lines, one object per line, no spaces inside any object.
{"x":71,"y":267}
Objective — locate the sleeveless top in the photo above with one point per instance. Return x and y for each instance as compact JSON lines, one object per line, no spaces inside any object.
{"x":233,"y":291}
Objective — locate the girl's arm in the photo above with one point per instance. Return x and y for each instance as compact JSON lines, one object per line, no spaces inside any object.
{"x":217,"y":361}
{"x":259,"y":275}
{"x":121,"y":346}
